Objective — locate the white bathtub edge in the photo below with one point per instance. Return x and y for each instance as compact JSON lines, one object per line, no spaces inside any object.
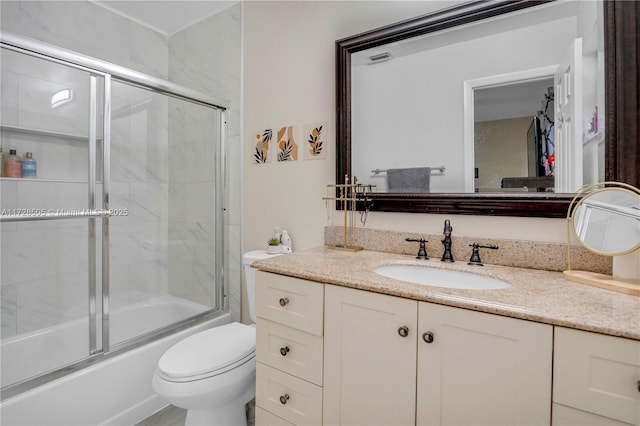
{"x":108,"y":392}
{"x":138,"y":412}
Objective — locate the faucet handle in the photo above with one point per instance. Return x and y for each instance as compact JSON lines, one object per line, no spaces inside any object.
{"x":422,"y":251}
{"x":475,"y":254}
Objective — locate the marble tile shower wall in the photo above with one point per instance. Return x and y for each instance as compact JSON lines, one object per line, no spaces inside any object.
{"x":192,"y":232}
{"x":207,"y":57}
{"x":45,"y":265}
{"x":87,"y":28}
{"x":27,"y":86}
{"x":140,"y":184}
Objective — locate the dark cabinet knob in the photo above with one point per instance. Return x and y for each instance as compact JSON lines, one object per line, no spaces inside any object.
{"x":284,"y":301}
{"x":284,"y":351}
{"x":428,"y":337}
{"x":284,"y":398}
{"x":403,"y":331}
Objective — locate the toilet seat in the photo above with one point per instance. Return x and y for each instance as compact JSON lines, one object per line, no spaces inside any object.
{"x":208,"y":353}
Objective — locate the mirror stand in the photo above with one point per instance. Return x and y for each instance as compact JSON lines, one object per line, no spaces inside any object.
{"x":605,"y":218}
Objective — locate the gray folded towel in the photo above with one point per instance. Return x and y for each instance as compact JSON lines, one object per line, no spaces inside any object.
{"x":414,"y":179}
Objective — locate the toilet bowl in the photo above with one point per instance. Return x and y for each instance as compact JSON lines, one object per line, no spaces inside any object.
{"x":212,"y":373}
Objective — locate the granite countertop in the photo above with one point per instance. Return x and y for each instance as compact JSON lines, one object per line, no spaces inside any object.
{"x":535,"y":295}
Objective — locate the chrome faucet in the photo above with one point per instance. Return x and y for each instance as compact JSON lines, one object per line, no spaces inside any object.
{"x":448,"y":229}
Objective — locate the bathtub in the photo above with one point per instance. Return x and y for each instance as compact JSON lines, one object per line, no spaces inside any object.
{"x":116,"y":391}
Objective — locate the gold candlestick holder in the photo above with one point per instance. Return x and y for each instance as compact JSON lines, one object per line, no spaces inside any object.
{"x":347,"y":193}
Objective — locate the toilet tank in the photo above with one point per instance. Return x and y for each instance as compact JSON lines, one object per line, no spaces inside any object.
{"x":250,"y":277}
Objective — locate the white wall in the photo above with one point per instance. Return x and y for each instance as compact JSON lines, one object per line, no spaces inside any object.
{"x":289,"y":69}
{"x":505,"y":140}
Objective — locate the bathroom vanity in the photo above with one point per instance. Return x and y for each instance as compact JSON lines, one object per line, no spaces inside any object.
{"x":339,"y":344}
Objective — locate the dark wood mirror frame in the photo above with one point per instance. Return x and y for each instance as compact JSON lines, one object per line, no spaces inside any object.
{"x":622,"y":135}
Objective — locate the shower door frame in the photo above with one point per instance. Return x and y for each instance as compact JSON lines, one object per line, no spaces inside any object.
{"x":112,"y":72}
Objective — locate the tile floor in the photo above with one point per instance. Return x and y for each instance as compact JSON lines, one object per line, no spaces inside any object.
{"x":169,"y":416}
{"x":174,"y":416}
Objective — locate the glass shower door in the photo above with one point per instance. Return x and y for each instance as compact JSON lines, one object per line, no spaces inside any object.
{"x":164,"y":195}
{"x":49,"y":245}
{"x":119,"y":237}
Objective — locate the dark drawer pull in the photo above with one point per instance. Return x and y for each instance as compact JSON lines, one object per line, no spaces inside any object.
{"x":284,"y":351}
{"x":403,"y":331}
{"x":284,"y":398}
{"x":428,"y":337}
{"x":284,"y":301}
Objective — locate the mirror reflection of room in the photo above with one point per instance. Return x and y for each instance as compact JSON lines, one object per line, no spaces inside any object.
{"x":410,"y":106}
{"x":514,"y":145}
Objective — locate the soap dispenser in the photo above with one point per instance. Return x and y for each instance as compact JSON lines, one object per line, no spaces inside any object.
{"x":285,"y":240}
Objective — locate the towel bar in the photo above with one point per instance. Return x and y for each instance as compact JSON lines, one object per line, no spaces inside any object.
{"x":440,"y":170}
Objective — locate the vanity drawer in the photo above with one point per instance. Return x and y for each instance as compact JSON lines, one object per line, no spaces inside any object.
{"x":568,"y":416}
{"x":597,"y":373}
{"x":294,"y":400}
{"x":291,"y":301}
{"x":265,"y":418}
{"x":290,"y":350}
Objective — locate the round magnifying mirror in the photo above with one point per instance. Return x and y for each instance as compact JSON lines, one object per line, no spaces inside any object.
{"x":607,"y":221}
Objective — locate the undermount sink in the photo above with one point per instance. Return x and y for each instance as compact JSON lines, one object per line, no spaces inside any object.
{"x":435,"y":277}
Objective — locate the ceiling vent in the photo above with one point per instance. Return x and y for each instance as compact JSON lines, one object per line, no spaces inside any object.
{"x":380,"y":57}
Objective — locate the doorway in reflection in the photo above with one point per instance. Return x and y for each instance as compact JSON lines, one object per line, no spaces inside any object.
{"x":514,"y":146}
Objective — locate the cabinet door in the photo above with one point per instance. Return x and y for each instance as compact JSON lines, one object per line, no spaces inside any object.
{"x":482,"y":369}
{"x":598,"y":374}
{"x":370,"y":374}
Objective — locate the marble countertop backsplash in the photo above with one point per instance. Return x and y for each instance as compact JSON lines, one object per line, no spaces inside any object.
{"x":517,"y":253}
{"x":535,"y":294}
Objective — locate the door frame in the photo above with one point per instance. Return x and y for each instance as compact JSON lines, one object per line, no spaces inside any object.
{"x":469,"y":87}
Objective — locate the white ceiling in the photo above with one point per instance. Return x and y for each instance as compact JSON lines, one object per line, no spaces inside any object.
{"x":166,"y":17}
{"x":522,"y":99}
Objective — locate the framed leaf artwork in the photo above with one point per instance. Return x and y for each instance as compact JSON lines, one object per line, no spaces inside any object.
{"x":315,"y":141}
{"x":260,"y":151}
{"x":287,"y":144}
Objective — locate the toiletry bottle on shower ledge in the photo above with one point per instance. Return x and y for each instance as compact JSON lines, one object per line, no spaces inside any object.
{"x":29,"y":166}
{"x":13,"y":165}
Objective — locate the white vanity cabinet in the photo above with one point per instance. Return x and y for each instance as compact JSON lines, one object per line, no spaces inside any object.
{"x":482,"y":369}
{"x":390,"y":360}
{"x":334,"y":355}
{"x":370,"y":358}
{"x":596,"y":379}
{"x":289,"y":350}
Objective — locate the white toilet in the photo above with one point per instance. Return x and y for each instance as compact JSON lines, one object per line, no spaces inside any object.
{"x":212,"y":373}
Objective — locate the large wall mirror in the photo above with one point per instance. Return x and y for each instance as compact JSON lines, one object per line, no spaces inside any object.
{"x":499,"y":108}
